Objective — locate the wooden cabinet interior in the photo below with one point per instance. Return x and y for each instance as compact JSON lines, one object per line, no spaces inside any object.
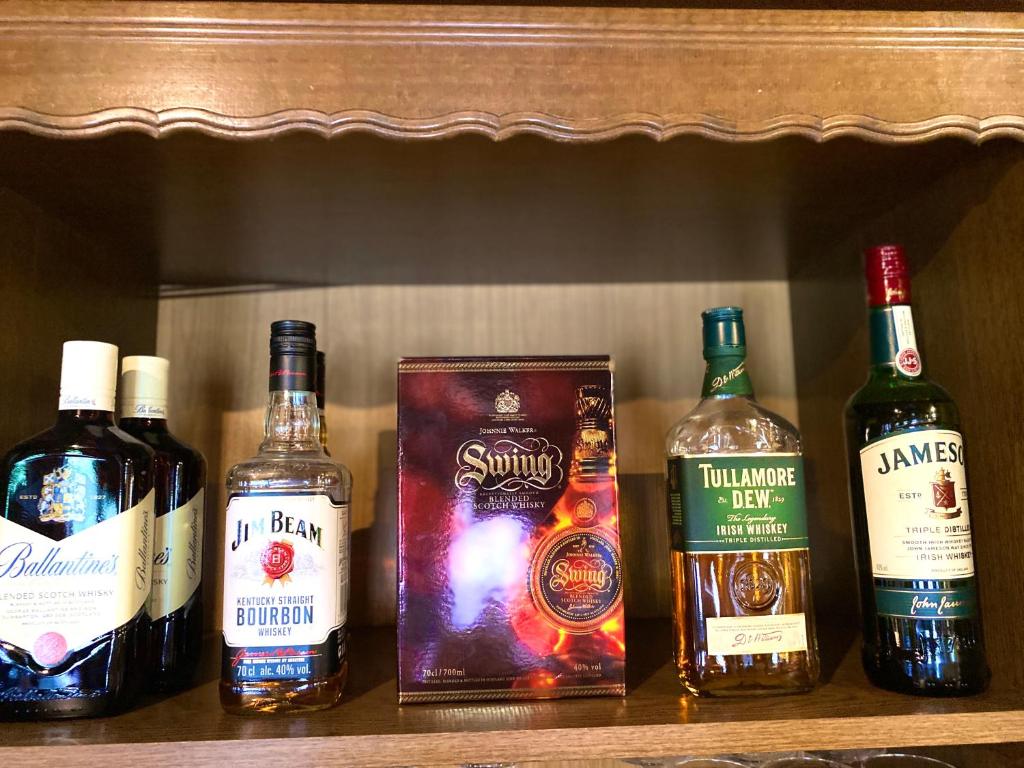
{"x":467,"y":246}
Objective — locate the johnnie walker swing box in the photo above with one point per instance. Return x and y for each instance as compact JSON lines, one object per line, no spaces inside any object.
{"x":509,"y":564}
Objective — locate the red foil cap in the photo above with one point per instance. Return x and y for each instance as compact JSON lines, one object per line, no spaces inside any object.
{"x":887,"y":274}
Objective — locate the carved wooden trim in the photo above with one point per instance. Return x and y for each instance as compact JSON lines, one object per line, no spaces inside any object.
{"x":498,"y":127}
{"x":237,"y":70}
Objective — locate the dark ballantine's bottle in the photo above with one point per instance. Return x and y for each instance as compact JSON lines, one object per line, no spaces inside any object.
{"x":76,"y":553}
{"x":175,"y":604}
{"x":911,"y":516}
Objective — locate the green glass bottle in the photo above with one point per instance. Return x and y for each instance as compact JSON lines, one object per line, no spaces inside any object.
{"x":911,"y":518}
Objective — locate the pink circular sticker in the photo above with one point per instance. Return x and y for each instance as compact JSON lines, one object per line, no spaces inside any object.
{"x":50,"y":648}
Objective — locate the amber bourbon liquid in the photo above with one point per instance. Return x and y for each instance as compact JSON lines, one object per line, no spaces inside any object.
{"x":510,"y":575}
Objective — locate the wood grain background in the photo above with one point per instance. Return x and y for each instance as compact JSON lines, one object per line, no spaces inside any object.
{"x":218,"y":351}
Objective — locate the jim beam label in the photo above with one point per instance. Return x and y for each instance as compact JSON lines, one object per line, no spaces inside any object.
{"x":177,"y":557}
{"x":58,"y":596}
{"x":919,"y":523}
{"x":737,"y":502}
{"x":284,"y":560}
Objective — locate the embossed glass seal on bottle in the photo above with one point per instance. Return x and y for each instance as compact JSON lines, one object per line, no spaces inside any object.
{"x":75,"y":554}
{"x":741,"y":580}
{"x":286,"y":550}
{"x":175,"y":605}
{"x":910,"y":508}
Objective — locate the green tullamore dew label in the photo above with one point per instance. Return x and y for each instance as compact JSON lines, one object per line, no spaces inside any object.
{"x":737,"y":503}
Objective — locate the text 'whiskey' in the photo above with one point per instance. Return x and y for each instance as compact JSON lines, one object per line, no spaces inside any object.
{"x":741,"y":574}
{"x":911,"y":516}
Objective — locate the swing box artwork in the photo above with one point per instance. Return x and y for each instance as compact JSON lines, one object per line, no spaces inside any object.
{"x":509,"y":564}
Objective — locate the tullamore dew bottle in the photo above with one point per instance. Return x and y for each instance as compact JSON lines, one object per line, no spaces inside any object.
{"x":911,"y":517}
{"x":286,"y":550}
{"x":741,"y":574}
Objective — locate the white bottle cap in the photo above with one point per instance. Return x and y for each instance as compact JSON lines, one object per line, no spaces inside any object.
{"x":144,"y":387}
{"x":88,"y":376}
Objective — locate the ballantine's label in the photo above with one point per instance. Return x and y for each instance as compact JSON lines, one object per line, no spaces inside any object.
{"x":576,"y":579}
{"x":737,"y":502}
{"x":177,"y":557}
{"x":509,"y":464}
{"x":57,"y":596}
{"x":284,"y":601}
{"x":915,"y":497}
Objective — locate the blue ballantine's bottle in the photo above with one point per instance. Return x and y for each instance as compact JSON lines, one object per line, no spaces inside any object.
{"x":911,"y":513}
{"x":75,"y":554}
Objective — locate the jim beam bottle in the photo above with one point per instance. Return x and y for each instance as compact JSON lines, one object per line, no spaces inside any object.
{"x":575,"y":614}
{"x":175,"y":604}
{"x":286,"y":550}
{"x":76,"y":535}
{"x":741,"y":575}
{"x":911,"y":514}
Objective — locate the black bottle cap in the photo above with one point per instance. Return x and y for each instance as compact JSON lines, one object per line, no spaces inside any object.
{"x":292,"y":356}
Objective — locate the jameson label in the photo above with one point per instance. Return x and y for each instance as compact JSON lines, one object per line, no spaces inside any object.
{"x":915,"y":498}
{"x":957,"y":603}
{"x":284,"y":599}
{"x":177,"y":557}
{"x":737,"y":503}
{"x":58,"y":596}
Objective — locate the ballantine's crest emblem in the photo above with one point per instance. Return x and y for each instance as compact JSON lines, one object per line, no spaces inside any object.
{"x":62,"y":497}
{"x":507,"y":402}
{"x":944,"y":497}
{"x":509,"y":465}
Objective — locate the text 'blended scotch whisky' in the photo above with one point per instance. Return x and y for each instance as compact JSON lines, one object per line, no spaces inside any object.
{"x":911,"y":517}
{"x":741,"y":574}
{"x":179,"y":483}
{"x":76,"y":553}
{"x":286,"y":550}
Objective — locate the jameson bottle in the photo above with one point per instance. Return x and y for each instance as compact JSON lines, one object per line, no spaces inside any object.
{"x":911,"y":517}
{"x":175,"y":605}
{"x":741,"y":573}
{"x":286,"y":550}
{"x":75,"y":553}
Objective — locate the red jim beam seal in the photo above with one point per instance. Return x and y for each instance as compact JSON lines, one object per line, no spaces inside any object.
{"x":887,"y":275}
{"x":278,"y":560}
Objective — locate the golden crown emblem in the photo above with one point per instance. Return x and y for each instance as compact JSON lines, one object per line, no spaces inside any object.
{"x":507,"y":402}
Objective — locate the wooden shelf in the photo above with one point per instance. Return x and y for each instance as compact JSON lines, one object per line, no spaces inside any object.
{"x":75,"y":69}
{"x":655,"y":719}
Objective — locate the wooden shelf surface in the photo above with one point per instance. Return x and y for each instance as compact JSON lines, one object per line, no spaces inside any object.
{"x":76,"y":69}
{"x":655,"y":719}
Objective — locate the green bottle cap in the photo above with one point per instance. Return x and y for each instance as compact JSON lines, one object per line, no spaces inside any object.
{"x":723,"y":332}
